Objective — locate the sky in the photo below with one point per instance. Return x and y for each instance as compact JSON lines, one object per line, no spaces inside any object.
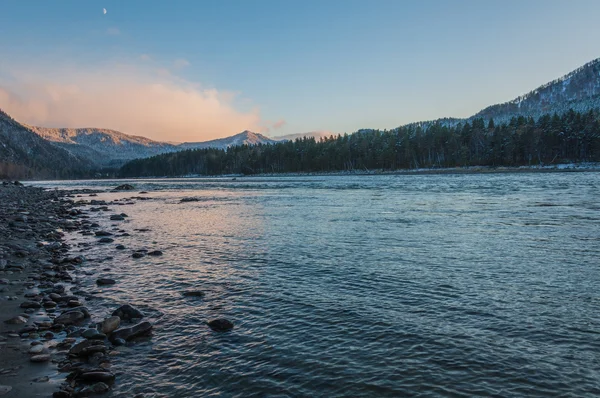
{"x":197,"y":70}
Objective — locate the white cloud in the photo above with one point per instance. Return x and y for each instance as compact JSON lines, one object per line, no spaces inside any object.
{"x":129,"y":98}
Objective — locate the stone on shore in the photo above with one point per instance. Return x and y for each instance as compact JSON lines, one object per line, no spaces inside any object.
{"x":127,"y":312}
{"x":69,"y":318}
{"x":40,"y":358}
{"x":138,"y":255}
{"x":220,"y":325}
{"x":140,"y":329}
{"x":155,"y":253}
{"x":111,"y":324}
{"x":17,"y":320}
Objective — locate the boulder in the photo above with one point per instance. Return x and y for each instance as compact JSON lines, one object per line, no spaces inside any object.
{"x":87,"y":347}
{"x":155,"y":253}
{"x":140,"y":329}
{"x":69,"y":318}
{"x":111,"y":324}
{"x":127,"y":312}
{"x":220,"y":325}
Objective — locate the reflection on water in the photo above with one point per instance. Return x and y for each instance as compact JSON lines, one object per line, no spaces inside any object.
{"x":457,"y":285}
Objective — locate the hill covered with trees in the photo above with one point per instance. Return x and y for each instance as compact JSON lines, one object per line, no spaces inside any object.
{"x":551,"y":139}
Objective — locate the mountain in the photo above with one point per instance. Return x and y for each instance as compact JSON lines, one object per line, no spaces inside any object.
{"x":23,"y":154}
{"x":244,"y":138}
{"x":103,"y":147}
{"x":578,"y":90}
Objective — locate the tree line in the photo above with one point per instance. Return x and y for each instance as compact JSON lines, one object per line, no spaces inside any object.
{"x":551,"y":139}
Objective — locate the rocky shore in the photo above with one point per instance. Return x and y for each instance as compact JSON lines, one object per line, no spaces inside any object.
{"x":49,"y":343}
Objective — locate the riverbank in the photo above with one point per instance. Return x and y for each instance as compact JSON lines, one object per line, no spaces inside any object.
{"x":47,"y":334}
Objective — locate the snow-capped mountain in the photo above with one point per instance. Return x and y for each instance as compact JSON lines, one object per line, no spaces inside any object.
{"x":246,"y":137}
{"x":578,"y":90}
{"x":103,"y":147}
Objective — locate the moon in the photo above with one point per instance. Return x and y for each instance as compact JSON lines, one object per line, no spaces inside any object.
{"x":104,"y":11}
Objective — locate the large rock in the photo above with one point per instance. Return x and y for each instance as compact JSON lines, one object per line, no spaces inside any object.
{"x":140,"y":329}
{"x":87,"y":347}
{"x":111,"y":324}
{"x":127,"y":312}
{"x":69,"y":318}
{"x":105,"y":281}
{"x":220,"y":325}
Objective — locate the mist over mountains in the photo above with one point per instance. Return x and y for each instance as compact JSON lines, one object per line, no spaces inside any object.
{"x":28,"y":151}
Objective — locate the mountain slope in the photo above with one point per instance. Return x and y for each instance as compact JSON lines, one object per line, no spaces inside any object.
{"x":244,"y":138}
{"x":578,"y":90}
{"x":23,"y":154}
{"x":103,"y":147}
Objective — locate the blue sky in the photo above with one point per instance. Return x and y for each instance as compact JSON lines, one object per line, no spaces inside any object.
{"x":193,"y":70}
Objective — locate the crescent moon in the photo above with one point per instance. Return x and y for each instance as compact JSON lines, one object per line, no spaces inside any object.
{"x":104,"y":11}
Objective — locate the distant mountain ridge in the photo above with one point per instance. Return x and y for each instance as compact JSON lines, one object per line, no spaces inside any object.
{"x":578,"y":90}
{"x":93,"y":148}
{"x":24,"y":154}
{"x":103,"y":147}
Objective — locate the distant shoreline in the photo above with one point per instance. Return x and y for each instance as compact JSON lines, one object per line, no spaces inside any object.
{"x":559,"y":168}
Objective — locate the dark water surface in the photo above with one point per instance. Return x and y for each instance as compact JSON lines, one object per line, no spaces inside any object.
{"x":359,"y":286}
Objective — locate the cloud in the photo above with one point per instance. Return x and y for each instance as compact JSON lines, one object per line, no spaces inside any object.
{"x":278,"y":124}
{"x":113,"y":31}
{"x":130,"y":98}
{"x":267,"y":126}
{"x":181,"y":63}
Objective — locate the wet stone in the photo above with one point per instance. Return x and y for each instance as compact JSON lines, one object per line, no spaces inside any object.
{"x":40,"y":358}
{"x":220,"y":325}
{"x":105,"y":281}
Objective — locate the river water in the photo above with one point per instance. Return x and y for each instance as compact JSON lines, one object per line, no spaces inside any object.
{"x":358,"y":286}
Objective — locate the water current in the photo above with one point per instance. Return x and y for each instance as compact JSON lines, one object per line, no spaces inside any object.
{"x":357,"y":286}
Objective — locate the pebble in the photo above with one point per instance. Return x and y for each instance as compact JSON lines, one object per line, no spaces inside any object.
{"x":37,"y":349}
{"x":18,"y":320}
{"x":40,"y":358}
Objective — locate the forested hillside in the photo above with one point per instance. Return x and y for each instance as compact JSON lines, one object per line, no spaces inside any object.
{"x":23,"y":154}
{"x":571,"y":137}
